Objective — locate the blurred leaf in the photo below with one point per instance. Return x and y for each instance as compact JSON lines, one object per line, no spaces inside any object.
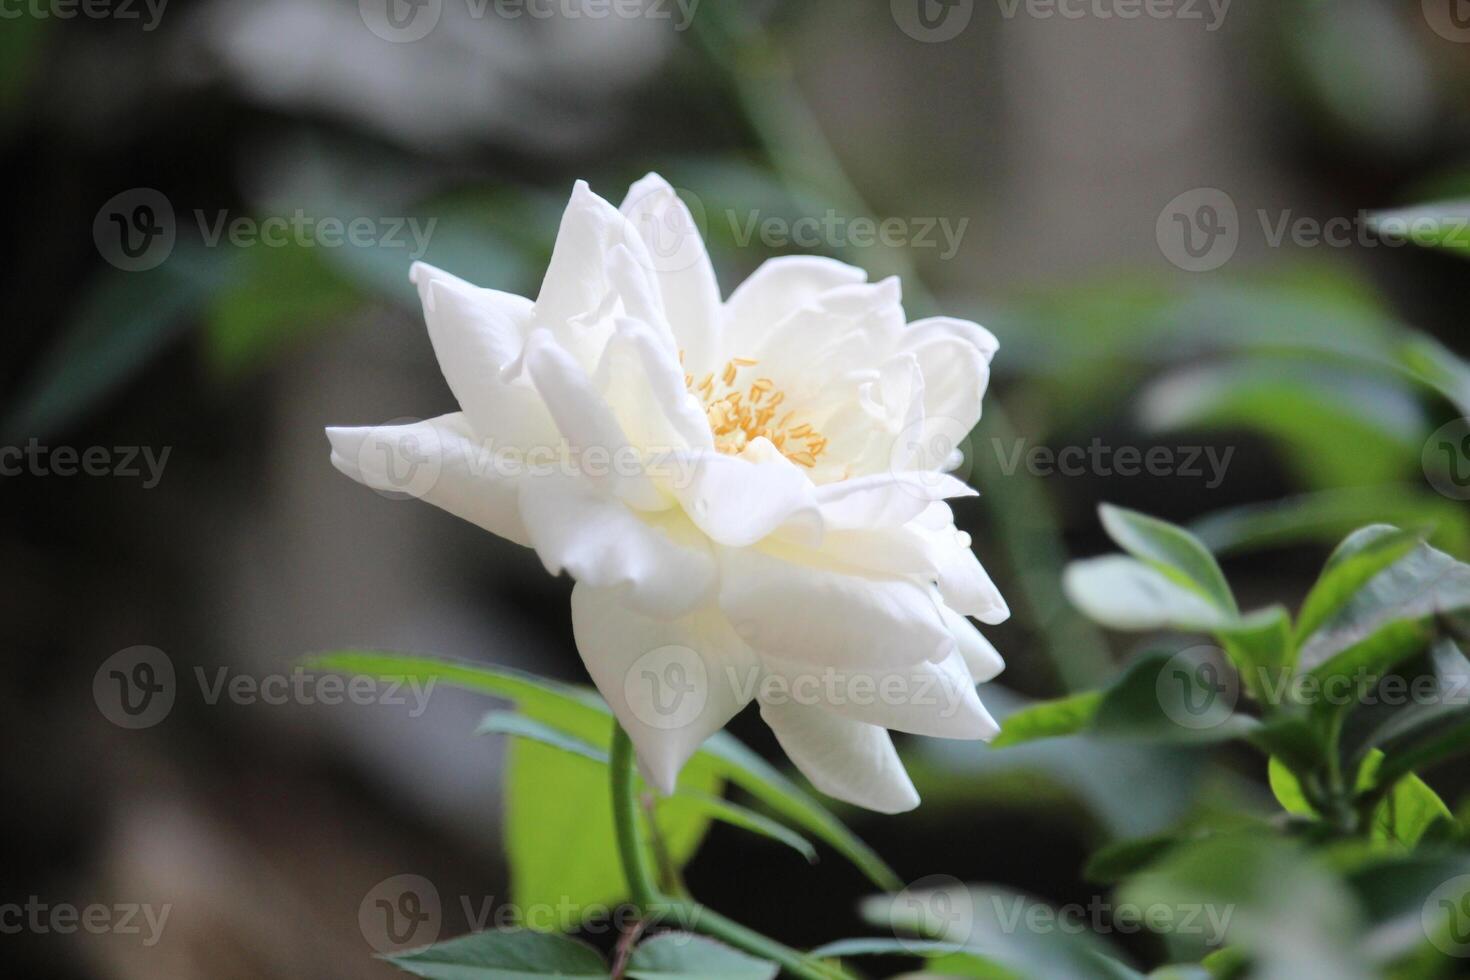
{"x":1014,"y":930}
{"x":122,"y":320}
{"x":1401,"y":817}
{"x":1111,"y":864}
{"x":1442,"y":224}
{"x":520,"y":726}
{"x":1335,"y":427}
{"x":1261,"y":884}
{"x":968,"y":965}
{"x":1226,"y":964}
{"x":281,"y":298}
{"x":1364,"y":554}
{"x":1170,"y":549}
{"x":503,"y":955}
{"x":722,"y":755}
{"x":1260,"y":646}
{"x":22,"y":45}
{"x":1438,"y":367}
{"x":1049,"y":719}
{"x":1329,"y":515}
{"x":681,"y":956}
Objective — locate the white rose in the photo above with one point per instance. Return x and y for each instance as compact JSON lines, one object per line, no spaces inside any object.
{"x":748,"y":493}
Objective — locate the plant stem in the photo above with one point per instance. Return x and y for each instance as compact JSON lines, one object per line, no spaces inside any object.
{"x":643,"y":887}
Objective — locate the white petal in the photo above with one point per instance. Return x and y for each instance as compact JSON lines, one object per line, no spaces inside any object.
{"x":576,"y":277}
{"x":828,"y":616}
{"x":981,"y":657}
{"x":738,"y":500}
{"x":657,"y":561}
{"x":439,"y":461}
{"x":845,"y":759}
{"x":671,"y":684}
{"x":587,"y":423}
{"x":963,"y":582}
{"x":644,"y":385}
{"x":780,"y":287}
{"x":954,"y":356}
{"x":933,"y":699}
{"x":885,"y":499}
{"x":686,"y":279}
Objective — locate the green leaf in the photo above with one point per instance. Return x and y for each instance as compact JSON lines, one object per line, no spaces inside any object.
{"x":283,"y":297}
{"x":1441,"y":224}
{"x":1186,"y":697}
{"x":681,"y":956}
{"x":1127,"y":594}
{"x":1260,"y":646}
{"x":722,"y":756}
{"x":1049,"y":719}
{"x":1013,"y":930}
{"x":1336,"y":425}
{"x":1288,"y":789}
{"x":744,"y":818}
{"x":969,"y":965}
{"x":1360,"y":558}
{"x":1372,"y":656}
{"x":1228,"y":963}
{"x":1328,"y":515}
{"x":1424,"y":583}
{"x":1249,"y":886}
{"x":1171,"y":549}
{"x":1120,"y":859}
{"x":122,"y":320}
{"x":519,"y":726}
{"x":1402,"y":816}
{"x":516,"y":954}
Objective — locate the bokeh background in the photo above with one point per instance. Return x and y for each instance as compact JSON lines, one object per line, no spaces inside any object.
{"x":1073,"y":152}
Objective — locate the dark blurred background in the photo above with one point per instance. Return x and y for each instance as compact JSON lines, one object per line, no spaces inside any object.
{"x":1134,"y":197}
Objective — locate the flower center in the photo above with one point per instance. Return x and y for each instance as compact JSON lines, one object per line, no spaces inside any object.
{"x":739,"y":412}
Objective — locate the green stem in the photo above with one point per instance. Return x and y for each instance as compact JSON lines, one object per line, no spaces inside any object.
{"x":643,"y":887}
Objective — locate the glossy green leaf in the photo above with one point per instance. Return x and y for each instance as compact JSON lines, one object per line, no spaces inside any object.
{"x":1360,"y":558}
{"x":582,"y":712}
{"x":1261,"y":647}
{"x":1170,"y":549}
{"x":681,"y":956}
{"x":1186,"y":698}
{"x":516,"y":954}
{"x":1049,"y":719}
{"x":1127,"y":594}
